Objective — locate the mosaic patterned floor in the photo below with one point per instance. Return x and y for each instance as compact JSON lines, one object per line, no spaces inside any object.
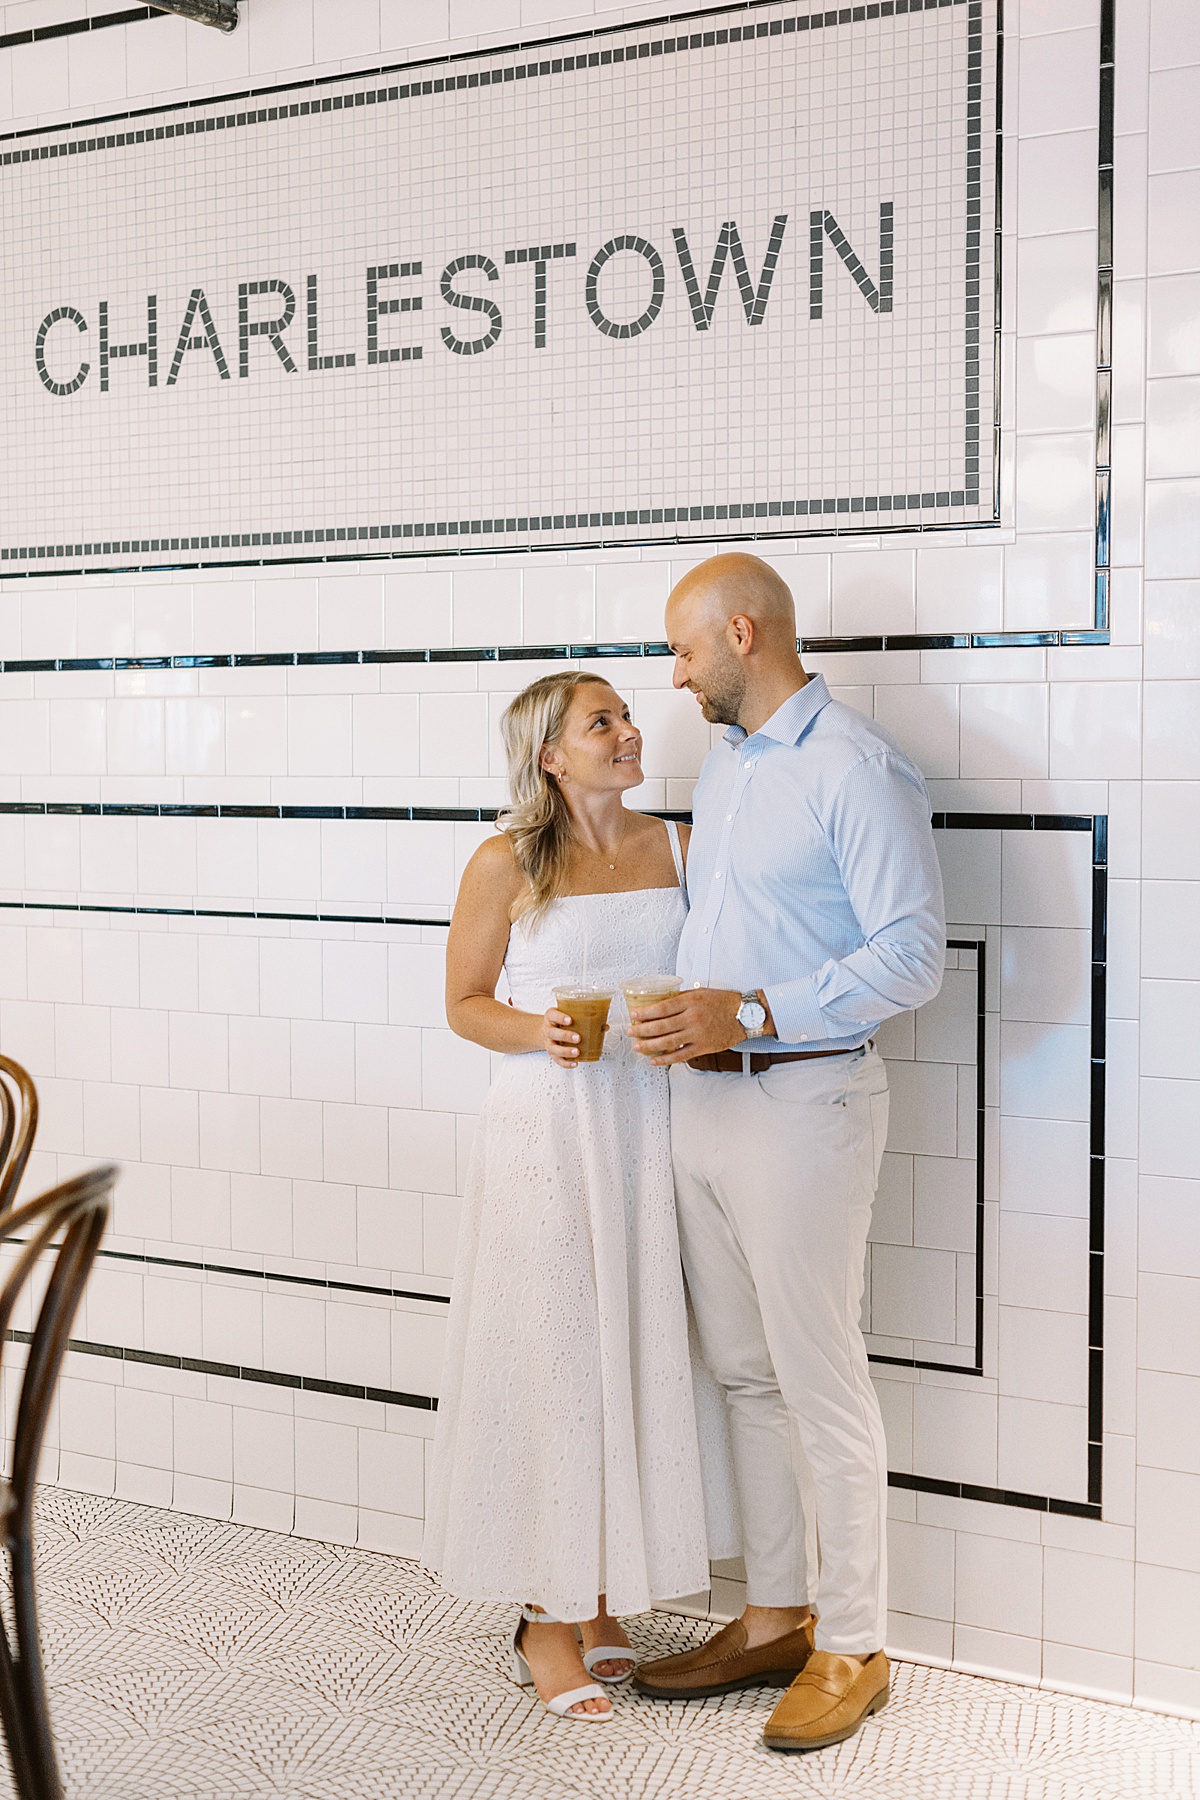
{"x":199,"y":1661}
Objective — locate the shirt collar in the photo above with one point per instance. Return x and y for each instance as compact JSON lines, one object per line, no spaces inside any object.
{"x":789,"y":722}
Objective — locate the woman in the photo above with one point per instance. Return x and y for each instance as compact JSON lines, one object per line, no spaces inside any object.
{"x":566,"y":1472}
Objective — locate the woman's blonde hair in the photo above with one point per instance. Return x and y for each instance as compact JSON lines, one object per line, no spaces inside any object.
{"x":537,"y":821}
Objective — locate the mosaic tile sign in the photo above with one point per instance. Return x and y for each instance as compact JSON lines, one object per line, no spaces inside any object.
{"x":723,"y":275}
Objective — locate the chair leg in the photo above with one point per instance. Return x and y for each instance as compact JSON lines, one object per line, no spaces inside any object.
{"x":29,"y":1682}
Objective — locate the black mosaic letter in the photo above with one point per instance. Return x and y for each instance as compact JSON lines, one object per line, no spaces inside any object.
{"x":60,"y":388}
{"x":470,"y":303}
{"x":342,"y":359}
{"x":272,"y":329}
{"x":754,"y":299}
{"x":376,"y":306}
{"x":206,"y":340}
{"x":539,"y":255}
{"x":606,"y":252}
{"x":148,"y":348}
{"x":822,"y":224}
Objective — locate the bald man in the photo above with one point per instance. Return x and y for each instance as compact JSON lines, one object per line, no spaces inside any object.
{"x":815,"y":913}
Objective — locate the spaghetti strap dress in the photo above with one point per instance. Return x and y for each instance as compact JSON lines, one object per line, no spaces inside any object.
{"x":566,"y":1457}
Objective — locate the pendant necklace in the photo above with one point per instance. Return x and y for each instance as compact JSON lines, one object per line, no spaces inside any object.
{"x":621,"y":845}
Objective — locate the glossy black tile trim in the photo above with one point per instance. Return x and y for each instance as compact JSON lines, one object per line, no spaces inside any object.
{"x":122,"y":809}
{"x":865,"y":510}
{"x":132,"y":15}
{"x":975,"y":1366}
{"x":969,"y":1490}
{"x":490,"y":653}
{"x":312,"y":1281}
{"x":1104,"y":284}
{"x":216,"y":912}
{"x":1097,"y":826}
{"x":196,"y":1365}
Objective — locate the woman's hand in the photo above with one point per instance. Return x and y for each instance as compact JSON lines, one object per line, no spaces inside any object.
{"x":560,"y":1039}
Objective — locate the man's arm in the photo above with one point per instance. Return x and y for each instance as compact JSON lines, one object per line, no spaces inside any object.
{"x":882,"y":840}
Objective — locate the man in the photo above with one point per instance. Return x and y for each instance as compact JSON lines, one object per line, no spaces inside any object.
{"x":816,"y":913}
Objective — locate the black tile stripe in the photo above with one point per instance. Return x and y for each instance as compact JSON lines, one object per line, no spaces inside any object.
{"x":215,"y":912}
{"x":116,"y":809}
{"x":505,"y":653}
{"x":1104,"y":303}
{"x":132,"y":15}
{"x":311,"y":1281}
{"x":416,"y":536}
{"x":969,"y":1490}
{"x":499,"y":76}
{"x":975,"y":1366}
{"x":197,"y":1365}
{"x":1097,"y":825}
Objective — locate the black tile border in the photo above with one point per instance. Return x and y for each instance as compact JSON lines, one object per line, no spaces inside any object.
{"x":975,"y":1366}
{"x":214,"y":912}
{"x":310,"y":1281}
{"x":198,"y":1365}
{"x":1094,"y":824}
{"x":1104,"y":301}
{"x":132,"y":15}
{"x":633,"y":650}
{"x":867,"y":508}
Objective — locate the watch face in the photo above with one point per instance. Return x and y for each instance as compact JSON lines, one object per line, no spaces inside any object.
{"x":752,"y":1015}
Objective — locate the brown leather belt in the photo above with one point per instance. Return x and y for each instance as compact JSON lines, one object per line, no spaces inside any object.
{"x":729,"y":1062}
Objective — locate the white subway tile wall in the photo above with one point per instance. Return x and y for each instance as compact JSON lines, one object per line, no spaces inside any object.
{"x":291,"y":1112}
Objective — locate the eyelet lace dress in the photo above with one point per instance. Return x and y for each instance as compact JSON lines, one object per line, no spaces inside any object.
{"x":566,"y":1460}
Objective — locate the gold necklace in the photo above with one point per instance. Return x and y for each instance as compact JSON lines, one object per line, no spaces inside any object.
{"x":621,"y":845}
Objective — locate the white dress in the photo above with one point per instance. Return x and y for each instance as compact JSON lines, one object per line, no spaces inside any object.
{"x":566,"y":1461}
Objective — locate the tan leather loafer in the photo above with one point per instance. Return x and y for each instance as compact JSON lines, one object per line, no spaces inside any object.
{"x":724,"y":1664}
{"x":827,"y":1702}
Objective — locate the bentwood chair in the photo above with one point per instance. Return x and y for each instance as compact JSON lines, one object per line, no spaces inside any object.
{"x":65,"y":1226}
{"x":18,"y":1127}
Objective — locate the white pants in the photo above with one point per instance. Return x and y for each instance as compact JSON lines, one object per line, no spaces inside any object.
{"x":774,"y":1176}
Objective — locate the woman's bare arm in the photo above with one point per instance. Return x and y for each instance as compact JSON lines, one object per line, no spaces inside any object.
{"x":475,"y":951}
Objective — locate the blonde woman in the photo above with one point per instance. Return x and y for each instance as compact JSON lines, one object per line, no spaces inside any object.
{"x":566,"y":1473}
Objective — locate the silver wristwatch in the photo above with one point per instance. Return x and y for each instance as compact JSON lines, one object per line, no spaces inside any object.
{"x":752,"y":1015}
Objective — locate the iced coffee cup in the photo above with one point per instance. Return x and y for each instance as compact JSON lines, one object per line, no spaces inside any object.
{"x":644,"y":990}
{"x":587,"y":1009}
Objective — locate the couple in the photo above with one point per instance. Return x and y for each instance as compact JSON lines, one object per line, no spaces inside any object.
{"x":588,"y":1461}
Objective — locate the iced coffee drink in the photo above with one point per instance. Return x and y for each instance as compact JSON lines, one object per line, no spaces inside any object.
{"x":587,"y":1009}
{"x":644,"y":990}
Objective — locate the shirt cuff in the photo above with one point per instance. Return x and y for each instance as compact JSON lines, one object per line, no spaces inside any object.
{"x":798,"y":1018}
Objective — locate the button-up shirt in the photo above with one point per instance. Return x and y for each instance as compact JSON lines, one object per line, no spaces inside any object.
{"x":812,"y":874}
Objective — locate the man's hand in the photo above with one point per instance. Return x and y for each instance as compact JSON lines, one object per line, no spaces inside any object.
{"x":693,"y":1023}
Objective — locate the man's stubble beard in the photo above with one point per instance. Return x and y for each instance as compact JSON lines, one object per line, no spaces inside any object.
{"x":723,"y":698}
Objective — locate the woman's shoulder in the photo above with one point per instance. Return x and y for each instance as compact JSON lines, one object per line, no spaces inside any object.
{"x":494,"y":866}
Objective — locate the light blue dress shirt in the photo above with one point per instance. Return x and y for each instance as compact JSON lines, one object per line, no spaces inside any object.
{"x":812,"y":875}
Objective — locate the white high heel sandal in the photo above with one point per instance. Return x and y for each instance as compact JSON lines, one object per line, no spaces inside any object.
{"x":561,"y":1704}
{"x":609,"y":1653}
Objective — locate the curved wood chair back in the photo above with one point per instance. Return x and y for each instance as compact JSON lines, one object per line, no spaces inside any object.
{"x":63,"y":1226}
{"x":18,"y":1127}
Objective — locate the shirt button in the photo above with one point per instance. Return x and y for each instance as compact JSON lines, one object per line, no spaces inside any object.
{"x":706,"y":931}
{"x":717,"y":875}
{"x":728,"y":818}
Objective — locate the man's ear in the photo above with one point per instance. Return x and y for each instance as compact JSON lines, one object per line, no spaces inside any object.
{"x":741,"y":634}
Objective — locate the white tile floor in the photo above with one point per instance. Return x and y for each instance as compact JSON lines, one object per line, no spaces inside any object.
{"x":198,"y":1661}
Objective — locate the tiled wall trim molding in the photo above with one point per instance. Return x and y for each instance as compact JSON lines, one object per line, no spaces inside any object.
{"x":490,"y":653}
{"x":975,"y":1366}
{"x":1094,"y":825}
{"x":132,"y":15}
{"x":198,"y":1365}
